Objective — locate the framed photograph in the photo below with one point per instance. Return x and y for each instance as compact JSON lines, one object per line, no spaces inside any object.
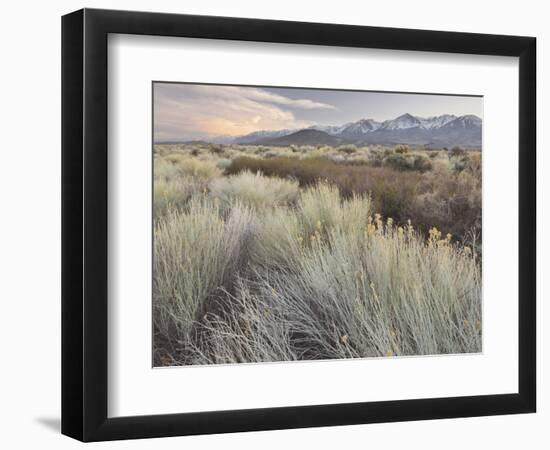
{"x":273,"y":225}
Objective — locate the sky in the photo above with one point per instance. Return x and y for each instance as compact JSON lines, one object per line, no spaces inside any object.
{"x":185,"y":112}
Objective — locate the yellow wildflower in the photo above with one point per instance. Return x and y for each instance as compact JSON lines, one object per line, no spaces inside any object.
{"x":370,"y":229}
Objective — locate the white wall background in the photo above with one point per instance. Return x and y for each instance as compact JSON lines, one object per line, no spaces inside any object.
{"x":30,"y":222}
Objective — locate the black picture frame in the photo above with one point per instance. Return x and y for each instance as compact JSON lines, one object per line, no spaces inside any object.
{"x":84,"y":224}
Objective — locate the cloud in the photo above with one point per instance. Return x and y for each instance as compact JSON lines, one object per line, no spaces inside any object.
{"x":185,"y":111}
{"x":265,"y":96}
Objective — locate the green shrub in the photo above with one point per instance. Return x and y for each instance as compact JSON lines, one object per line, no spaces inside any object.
{"x":408,"y":161}
{"x":458,"y":164}
{"x":223,"y":163}
{"x":399,"y":161}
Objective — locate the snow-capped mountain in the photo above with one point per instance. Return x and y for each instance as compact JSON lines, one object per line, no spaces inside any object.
{"x":430,"y":123}
{"x":403,"y":122}
{"x":467,"y":121}
{"x":443,"y":130}
{"x":360,"y":128}
{"x":333,"y":130}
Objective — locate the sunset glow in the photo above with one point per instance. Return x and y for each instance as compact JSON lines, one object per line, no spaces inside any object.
{"x":185,"y":112}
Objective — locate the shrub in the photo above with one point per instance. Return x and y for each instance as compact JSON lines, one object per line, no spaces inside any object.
{"x":271,"y":153}
{"x":336,"y":158}
{"x":252,"y":190}
{"x":408,"y":161}
{"x":437,"y":197}
{"x":173,"y":194}
{"x":450,"y":201}
{"x":347,"y":149}
{"x":399,"y":161}
{"x":473,"y":166}
{"x":401,"y":149}
{"x":195,"y":167}
{"x":392,"y":192}
{"x":457,"y":151}
{"x":458,"y":164}
{"x":317,"y":153}
{"x":216,"y":149}
{"x":351,"y":297}
{"x":309,"y":149}
{"x":422,"y":163}
{"x":164,"y":170}
{"x":376,"y":157}
{"x":172,"y":189}
{"x":196,"y":258}
{"x":347,"y":291}
{"x":223,"y":163}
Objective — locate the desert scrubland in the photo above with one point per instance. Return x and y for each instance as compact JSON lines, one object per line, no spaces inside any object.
{"x":314,"y":252}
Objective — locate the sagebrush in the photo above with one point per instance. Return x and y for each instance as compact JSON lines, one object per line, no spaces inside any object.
{"x":299,"y":258}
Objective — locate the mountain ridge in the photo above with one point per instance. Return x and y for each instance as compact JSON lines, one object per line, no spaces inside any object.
{"x":442,"y":130}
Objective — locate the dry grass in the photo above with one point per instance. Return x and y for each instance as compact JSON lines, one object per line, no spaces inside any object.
{"x":254,"y":190}
{"x":319,"y":276}
{"x":442,"y":197}
{"x":278,"y":254}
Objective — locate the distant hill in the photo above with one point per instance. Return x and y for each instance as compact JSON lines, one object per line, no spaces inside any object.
{"x":195,"y":142}
{"x":257,"y":136}
{"x":439,"y":131}
{"x":303,"y":137}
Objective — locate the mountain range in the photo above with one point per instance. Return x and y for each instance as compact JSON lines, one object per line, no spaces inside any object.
{"x":438,"y":131}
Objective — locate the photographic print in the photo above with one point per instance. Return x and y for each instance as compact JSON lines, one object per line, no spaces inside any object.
{"x":299,"y":224}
